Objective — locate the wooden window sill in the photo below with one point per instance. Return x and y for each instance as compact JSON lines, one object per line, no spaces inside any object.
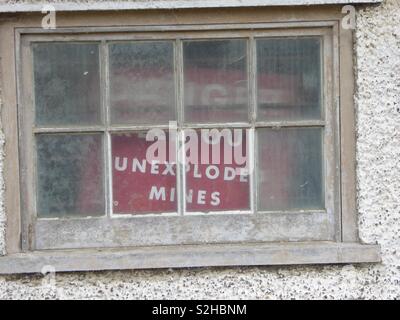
{"x":251,"y":254}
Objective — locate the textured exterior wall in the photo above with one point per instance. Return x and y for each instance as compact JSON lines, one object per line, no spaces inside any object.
{"x":71,"y":5}
{"x":378,"y":156}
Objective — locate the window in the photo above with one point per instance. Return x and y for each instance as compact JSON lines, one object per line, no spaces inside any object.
{"x":209,"y":138}
{"x":221,"y":104}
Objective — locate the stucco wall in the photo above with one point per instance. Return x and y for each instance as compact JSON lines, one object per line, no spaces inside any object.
{"x":378,"y":156}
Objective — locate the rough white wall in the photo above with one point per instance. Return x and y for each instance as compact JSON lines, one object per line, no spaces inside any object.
{"x":378,"y":155}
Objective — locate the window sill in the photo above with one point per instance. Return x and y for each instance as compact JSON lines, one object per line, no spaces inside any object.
{"x":191,"y":256}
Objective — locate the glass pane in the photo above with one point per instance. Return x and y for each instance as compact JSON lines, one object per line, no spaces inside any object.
{"x":217,"y":176}
{"x":289,"y":79}
{"x":143,"y":183}
{"x":70,"y":175}
{"x":215,"y":81}
{"x":142,"y":88}
{"x":290,"y":169}
{"x":67,"y":84}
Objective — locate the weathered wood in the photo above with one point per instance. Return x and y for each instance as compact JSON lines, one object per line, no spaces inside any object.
{"x":189,"y":229}
{"x":9,"y":122}
{"x":348,"y":138}
{"x":191,"y":256}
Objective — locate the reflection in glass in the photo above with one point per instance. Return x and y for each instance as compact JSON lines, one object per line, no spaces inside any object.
{"x":69,"y":175}
{"x":215,"y":81}
{"x":67,"y":84}
{"x":142,"y":88}
{"x":290,"y":165}
{"x":288,"y":79}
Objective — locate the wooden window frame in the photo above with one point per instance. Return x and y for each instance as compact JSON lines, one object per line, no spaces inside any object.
{"x":331,"y":237}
